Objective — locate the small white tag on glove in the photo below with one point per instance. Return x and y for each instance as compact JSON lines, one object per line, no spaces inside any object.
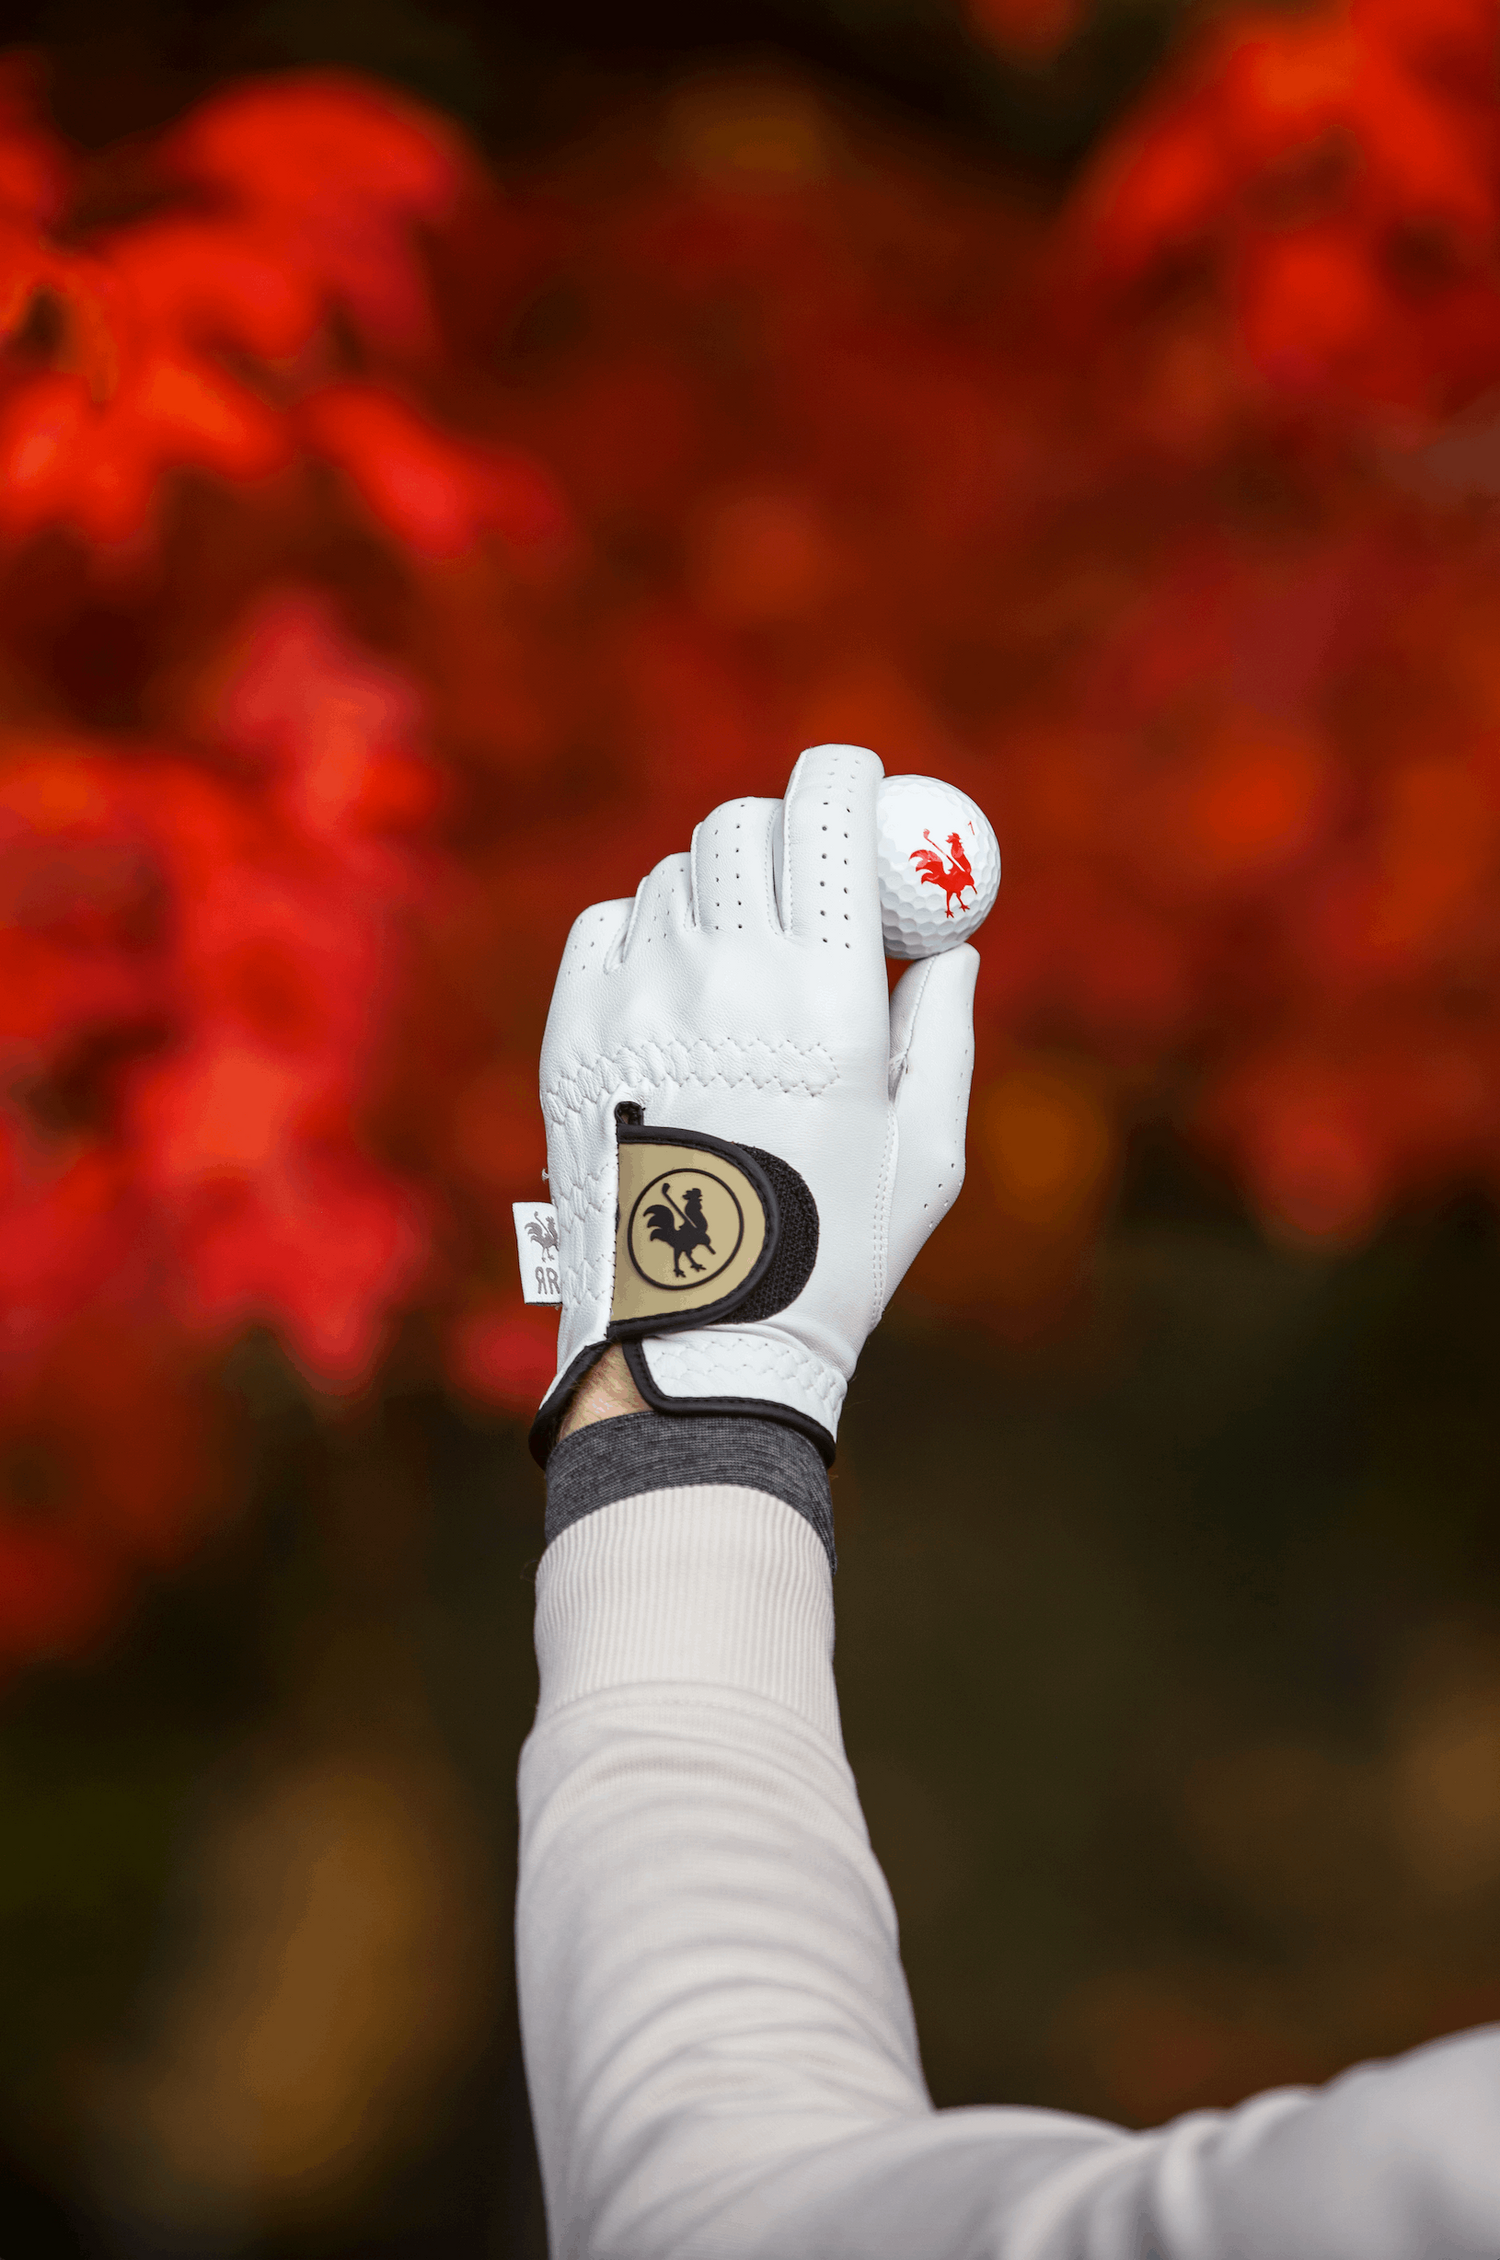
{"x":536,"y":1246}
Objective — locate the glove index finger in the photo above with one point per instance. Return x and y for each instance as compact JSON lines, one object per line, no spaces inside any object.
{"x":830,"y":890}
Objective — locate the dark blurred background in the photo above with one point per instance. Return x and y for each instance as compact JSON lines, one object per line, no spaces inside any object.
{"x":1170,"y":1675}
{"x":1168,"y":1642}
{"x":525,"y":74}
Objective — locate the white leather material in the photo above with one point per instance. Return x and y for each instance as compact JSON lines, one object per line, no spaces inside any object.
{"x":743,"y":993}
{"x":758,"y":1361}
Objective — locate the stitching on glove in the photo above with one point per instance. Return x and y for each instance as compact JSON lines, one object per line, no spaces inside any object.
{"x":584,"y":1208}
{"x":585,"y":1282}
{"x":790,"y":1067}
{"x":691,"y":1358}
{"x":592,"y":1195}
{"x":884,"y":1199}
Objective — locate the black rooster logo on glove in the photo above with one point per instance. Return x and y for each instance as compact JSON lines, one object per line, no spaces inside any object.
{"x":680,"y":1229}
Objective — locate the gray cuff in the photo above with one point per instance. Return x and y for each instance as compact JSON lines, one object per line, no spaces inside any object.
{"x":650,"y":1451}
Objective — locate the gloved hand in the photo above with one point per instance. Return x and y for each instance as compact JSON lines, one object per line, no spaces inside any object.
{"x":747,"y":1139}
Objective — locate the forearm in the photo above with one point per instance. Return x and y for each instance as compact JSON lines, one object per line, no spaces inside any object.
{"x":709,"y":1979}
{"x":692,"y":1842}
{"x":718,"y":2036}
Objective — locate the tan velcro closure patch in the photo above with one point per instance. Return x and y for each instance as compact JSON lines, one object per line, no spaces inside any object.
{"x":691,"y":1231}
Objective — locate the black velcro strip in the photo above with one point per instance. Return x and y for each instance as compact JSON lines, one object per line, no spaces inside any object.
{"x":796,"y":1244}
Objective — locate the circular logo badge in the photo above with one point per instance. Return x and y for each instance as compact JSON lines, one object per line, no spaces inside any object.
{"x":685,"y":1228}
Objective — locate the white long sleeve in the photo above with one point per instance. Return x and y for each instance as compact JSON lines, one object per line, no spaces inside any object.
{"x":719,"y":2042}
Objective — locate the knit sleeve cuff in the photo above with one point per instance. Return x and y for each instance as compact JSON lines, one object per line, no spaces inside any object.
{"x":650,"y":1451}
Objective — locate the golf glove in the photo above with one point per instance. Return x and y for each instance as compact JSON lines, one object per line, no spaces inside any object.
{"x":748,"y":1138}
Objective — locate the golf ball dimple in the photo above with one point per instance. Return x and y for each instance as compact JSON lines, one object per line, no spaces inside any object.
{"x":939,"y":866}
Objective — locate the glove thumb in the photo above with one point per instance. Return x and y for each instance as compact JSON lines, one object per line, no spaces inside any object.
{"x":932,"y":1063}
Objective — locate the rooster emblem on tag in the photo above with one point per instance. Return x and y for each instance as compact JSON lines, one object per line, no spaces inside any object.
{"x":544,"y":1231}
{"x":682,"y":1229}
{"x":953,"y":873}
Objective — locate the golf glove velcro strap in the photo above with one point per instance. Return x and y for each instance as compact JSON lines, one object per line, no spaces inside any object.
{"x":706,"y":1230}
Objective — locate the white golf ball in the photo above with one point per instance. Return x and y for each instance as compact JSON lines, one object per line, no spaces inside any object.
{"x":939,"y":865}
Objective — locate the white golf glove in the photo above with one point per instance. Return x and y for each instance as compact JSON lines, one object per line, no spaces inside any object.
{"x":747,"y":1139}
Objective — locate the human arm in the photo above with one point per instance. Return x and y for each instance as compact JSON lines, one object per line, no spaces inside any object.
{"x":603,"y":1394}
{"x":719,"y":2041}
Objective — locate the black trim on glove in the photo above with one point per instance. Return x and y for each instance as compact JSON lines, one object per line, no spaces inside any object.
{"x":788,"y":1220}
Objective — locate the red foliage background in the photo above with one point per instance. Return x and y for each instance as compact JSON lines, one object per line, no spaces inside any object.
{"x":393,"y":563}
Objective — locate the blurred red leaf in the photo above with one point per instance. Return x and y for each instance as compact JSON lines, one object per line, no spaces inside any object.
{"x":343,"y":173}
{"x":505,"y":1355}
{"x":426,"y":489}
{"x":1160,"y":524}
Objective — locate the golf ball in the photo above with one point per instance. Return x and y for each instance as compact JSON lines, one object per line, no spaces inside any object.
{"x":939,"y":865}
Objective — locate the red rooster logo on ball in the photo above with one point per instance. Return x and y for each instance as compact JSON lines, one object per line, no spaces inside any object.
{"x":953,"y":875}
